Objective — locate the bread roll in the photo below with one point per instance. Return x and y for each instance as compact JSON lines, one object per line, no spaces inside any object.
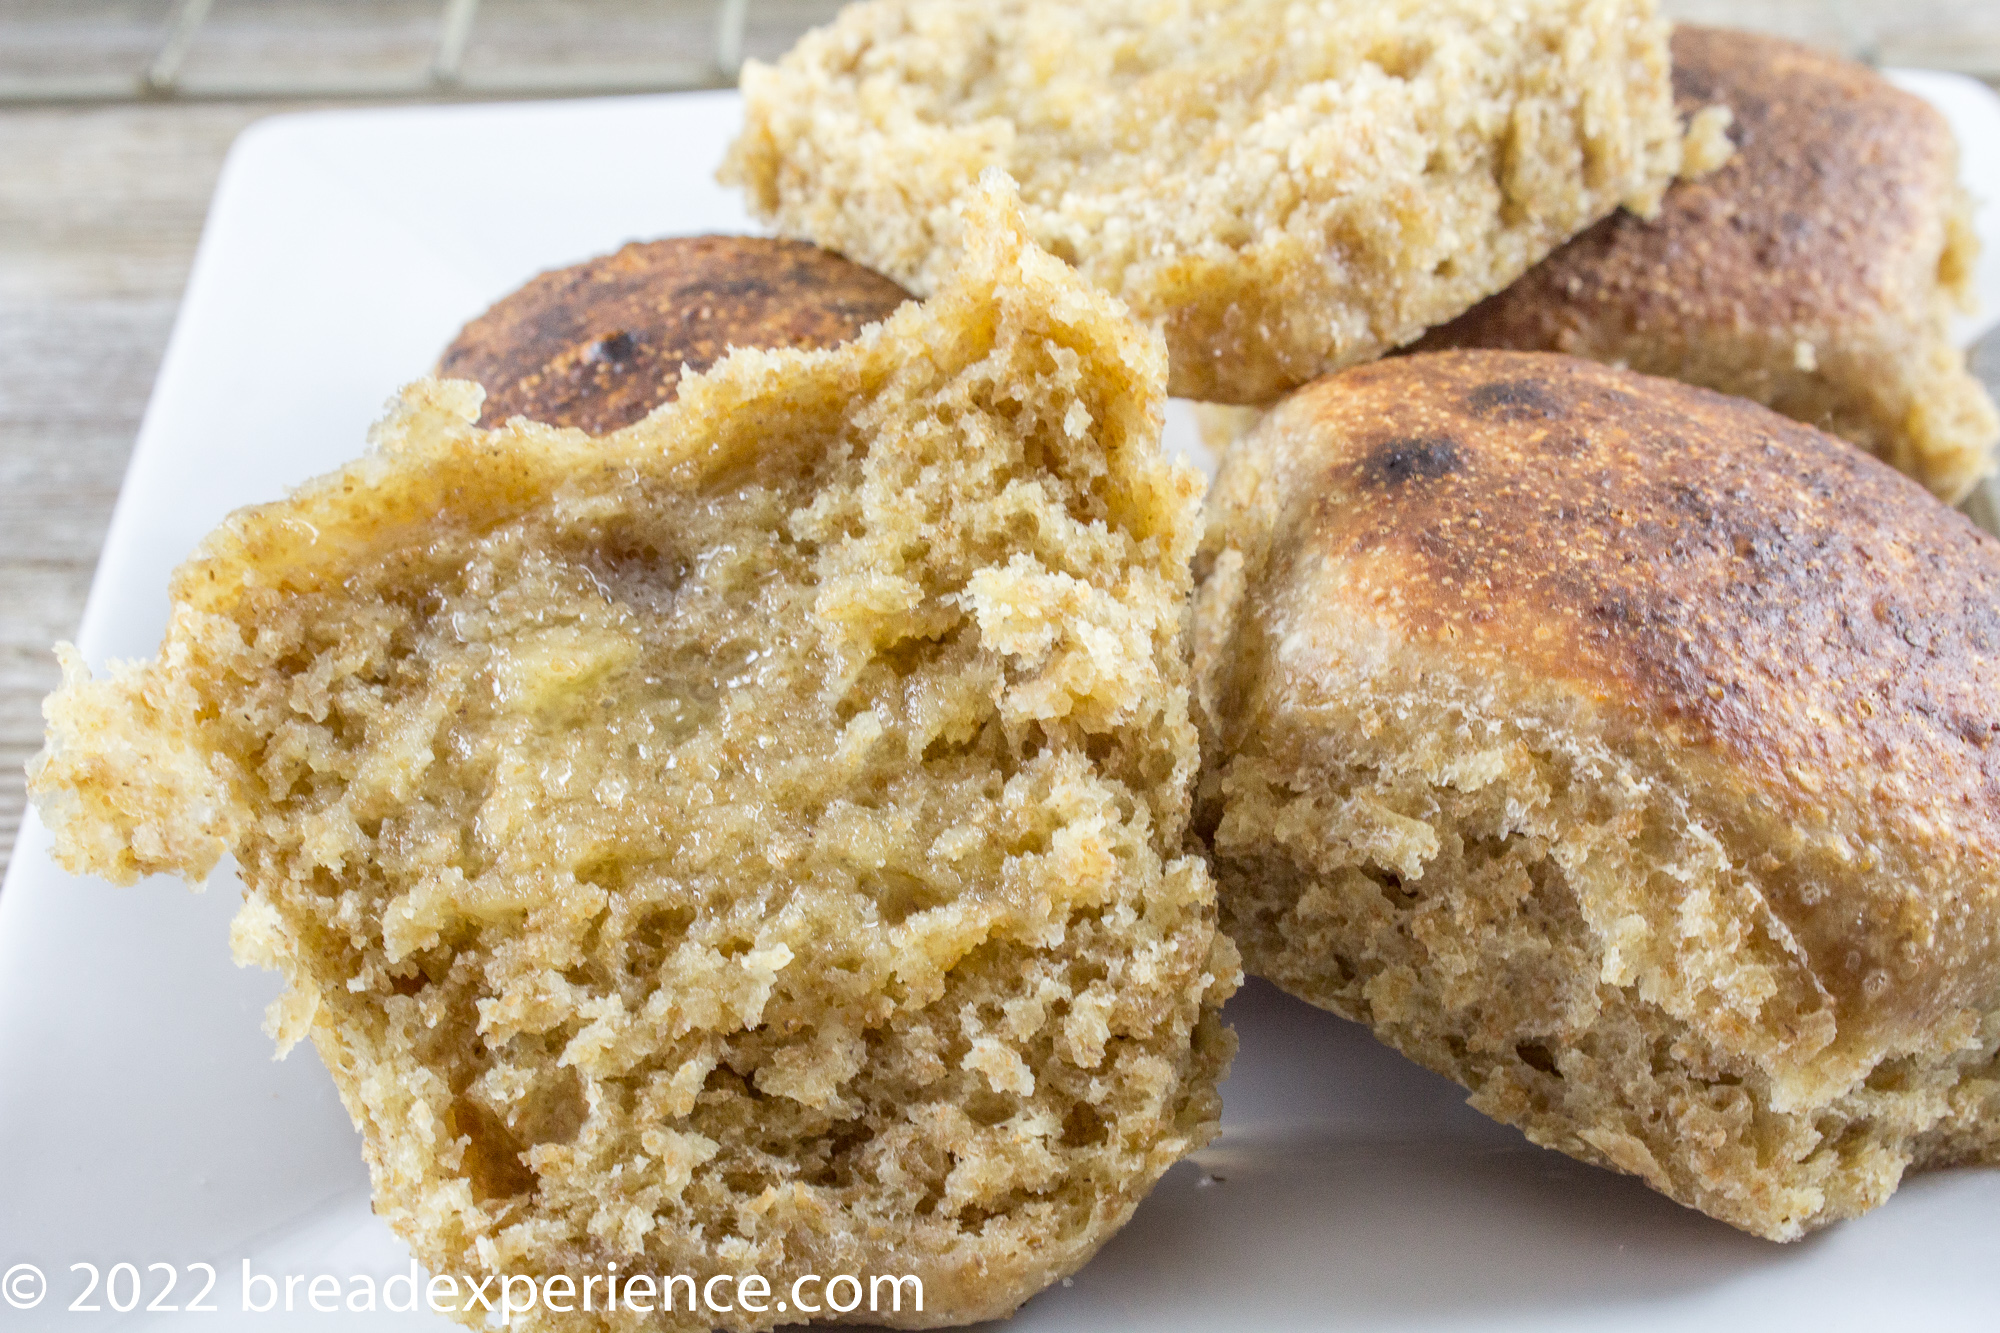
{"x":746,"y":843}
{"x":1629,"y":754}
{"x":1816,"y":272}
{"x":600,"y":344}
{"x":1288,"y":188}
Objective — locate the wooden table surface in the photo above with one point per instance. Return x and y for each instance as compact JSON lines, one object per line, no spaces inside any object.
{"x":101,"y":206}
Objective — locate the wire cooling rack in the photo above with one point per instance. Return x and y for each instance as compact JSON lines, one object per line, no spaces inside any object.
{"x":102,"y":51}
{"x":56,"y":51}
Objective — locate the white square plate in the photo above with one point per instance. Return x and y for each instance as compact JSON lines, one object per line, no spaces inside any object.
{"x":142,"y":1119}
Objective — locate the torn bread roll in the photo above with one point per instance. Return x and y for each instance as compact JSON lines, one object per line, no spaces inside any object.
{"x":748,"y":843}
{"x":1286,"y":189}
{"x":1626,"y":752}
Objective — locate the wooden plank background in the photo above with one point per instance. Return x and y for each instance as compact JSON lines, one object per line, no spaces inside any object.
{"x":101,"y":205}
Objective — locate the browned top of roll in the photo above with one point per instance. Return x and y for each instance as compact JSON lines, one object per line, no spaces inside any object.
{"x":1717,"y":571}
{"x":1836,"y":177}
{"x":600,"y":344}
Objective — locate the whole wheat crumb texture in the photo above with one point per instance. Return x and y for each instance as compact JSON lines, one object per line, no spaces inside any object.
{"x":1816,"y":272}
{"x":1290,"y":187}
{"x":1625,"y":752}
{"x":750,"y":842}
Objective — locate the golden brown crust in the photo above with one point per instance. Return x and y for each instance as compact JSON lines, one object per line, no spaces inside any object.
{"x":1814,"y":272}
{"x":1837,"y":172}
{"x":1726,"y":573}
{"x":600,"y":344}
{"x":1554,"y":712}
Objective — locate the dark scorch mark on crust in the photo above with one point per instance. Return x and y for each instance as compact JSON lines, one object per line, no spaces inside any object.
{"x":1397,"y":461}
{"x":1512,"y":400}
